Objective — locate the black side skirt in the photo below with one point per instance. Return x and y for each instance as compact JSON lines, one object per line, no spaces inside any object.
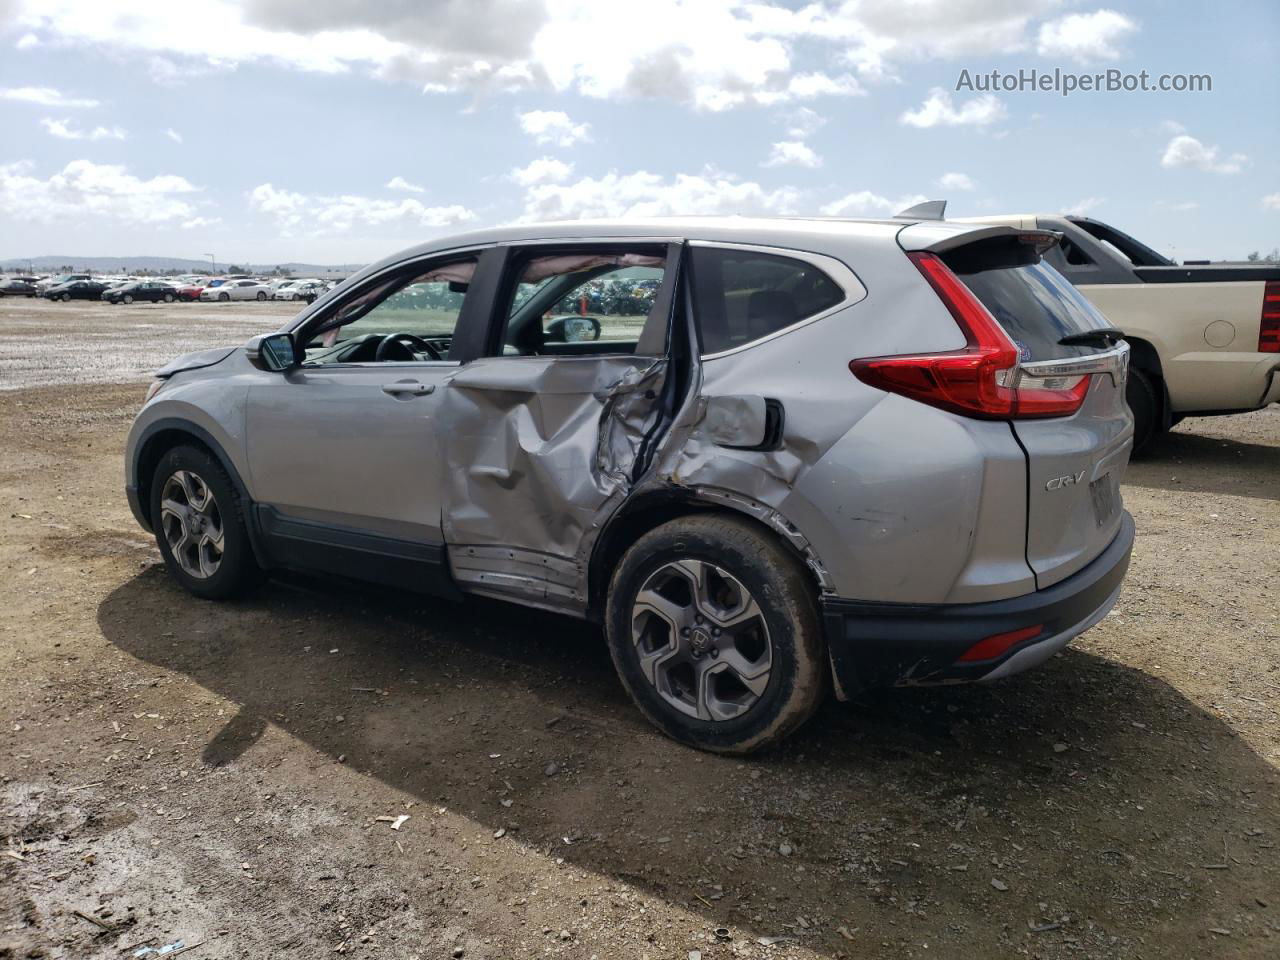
{"x":320,"y":547}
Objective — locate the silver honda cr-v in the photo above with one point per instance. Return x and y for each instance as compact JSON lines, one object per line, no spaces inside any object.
{"x":767,"y":455}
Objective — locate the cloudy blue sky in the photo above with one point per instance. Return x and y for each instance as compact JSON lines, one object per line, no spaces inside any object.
{"x":337,"y":131}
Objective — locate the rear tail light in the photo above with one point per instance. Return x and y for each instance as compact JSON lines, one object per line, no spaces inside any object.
{"x":1269,"y":331}
{"x":980,"y":380}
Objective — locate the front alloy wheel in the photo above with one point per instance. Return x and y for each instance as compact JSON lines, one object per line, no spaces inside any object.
{"x":197,"y":519}
{"x":192,"y":524}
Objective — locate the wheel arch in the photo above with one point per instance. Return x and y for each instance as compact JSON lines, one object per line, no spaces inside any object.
{"x":648,"y":511}
{"x":1144,"y":356}
{"x":163,"y":435}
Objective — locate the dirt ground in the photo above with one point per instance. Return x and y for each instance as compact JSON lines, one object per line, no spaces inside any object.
{"x":215,"y":773}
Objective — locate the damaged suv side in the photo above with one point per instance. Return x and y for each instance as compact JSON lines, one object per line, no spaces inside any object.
{"x":765,"y":454}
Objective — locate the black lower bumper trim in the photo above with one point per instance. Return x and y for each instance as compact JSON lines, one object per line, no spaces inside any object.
{"x":890,"y":644}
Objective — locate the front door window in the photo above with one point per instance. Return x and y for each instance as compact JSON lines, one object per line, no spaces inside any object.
{"x":406,"y":319}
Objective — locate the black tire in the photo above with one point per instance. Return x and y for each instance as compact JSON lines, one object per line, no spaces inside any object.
{"x":238,"y":570}
{"x":66,"y":298}
{"x":777,"y":580}
{"x":127,"y":298}
{"x":224,"y":297}
{"x":262,"y":295}
{"x":168,"y":298}
{"x":1148,"y":416}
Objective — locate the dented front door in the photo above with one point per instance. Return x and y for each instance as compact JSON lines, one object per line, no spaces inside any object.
{"x":541,"y":450}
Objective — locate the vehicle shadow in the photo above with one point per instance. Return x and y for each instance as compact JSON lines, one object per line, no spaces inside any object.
{"x":1181,"y":461}
{"x":1089,"y":789}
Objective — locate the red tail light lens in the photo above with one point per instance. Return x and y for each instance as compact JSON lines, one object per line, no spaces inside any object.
{"x":977,"y":380}
{"x":993,"y":646}
{"x":1269,"y":332}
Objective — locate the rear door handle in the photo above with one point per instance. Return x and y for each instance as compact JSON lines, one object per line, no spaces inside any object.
{"x":409,"y":388}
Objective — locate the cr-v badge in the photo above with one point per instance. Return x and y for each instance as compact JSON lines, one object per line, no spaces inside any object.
{"x":1057,"y":483}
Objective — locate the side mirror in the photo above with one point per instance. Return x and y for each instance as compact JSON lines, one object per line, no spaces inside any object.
{"x":273,"y":352}
{"x":572,"y":329}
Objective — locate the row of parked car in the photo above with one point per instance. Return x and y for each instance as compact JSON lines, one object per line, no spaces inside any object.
{"x":82,"y":286}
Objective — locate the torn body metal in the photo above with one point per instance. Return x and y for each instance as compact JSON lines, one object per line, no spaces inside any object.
{"x":541,"y":453}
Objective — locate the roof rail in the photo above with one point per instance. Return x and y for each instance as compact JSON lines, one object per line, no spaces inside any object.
{"x":929,"y":210}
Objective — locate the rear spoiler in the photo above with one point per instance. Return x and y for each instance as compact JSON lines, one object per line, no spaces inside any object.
{"x":939,"y":236}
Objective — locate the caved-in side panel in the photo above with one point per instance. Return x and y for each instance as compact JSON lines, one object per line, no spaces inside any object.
{"x":540,"y":450}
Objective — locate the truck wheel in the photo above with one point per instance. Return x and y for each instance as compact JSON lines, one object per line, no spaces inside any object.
{"x":714,"y":629}
{"x":195,"y":514}
{"x":1148,"y":420}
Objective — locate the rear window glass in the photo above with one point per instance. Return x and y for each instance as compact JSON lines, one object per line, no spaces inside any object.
{"x":741,"y":296}
{"x":1037,"y":306}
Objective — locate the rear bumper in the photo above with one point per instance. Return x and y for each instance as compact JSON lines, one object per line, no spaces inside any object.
{"x":900,"y":644}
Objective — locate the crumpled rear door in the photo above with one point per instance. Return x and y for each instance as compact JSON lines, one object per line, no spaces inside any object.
{"x":539,"y":452}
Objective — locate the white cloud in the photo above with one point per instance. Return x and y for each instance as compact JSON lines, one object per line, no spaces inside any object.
{"x":27,"y":41}
{"x":792,"y":153}
{"x":542,"y":170}
{"x":554,"y":127}
{"x":1172,"y":126}
{"x":46,"y":97}
{"x":643,"y":194}
{"x":337,"y":214}
{"x":1082,"y":207}
{"x":400,"y":183}
{"x":956,"y":181}
{"x":1271,"y":202}
{"x":803,"y":122}
{"x":864,"y":203}
{"x":196,"y":223}
{"x":173,"y":135}
{"x":1086,"y":37}
{"x":66,"y":130}
{"x":86,"y":189}
{"x":939,"y":111}
{"x":717,"y":55}
{"x":1187,"y":151}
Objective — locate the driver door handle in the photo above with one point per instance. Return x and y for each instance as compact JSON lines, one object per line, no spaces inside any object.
{"x":409,"y":388}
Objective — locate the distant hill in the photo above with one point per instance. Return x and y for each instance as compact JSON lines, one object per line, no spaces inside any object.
{"x":158,"y":265}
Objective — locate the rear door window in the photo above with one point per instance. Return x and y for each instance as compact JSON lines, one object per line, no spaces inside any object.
{"x":741,"y":296}
{"x":583,"y":300}
{"x":1037,"y":307}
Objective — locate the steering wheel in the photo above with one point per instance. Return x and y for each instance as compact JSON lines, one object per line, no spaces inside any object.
{"x":406,"y":345}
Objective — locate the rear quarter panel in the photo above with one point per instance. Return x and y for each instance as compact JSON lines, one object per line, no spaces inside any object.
{"x":900,"y":502}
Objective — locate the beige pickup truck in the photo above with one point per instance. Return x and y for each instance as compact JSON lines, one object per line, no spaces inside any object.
{"x":1205,"y":337}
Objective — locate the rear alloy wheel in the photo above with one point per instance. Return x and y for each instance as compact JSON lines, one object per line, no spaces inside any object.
{"x":168,"y":298}
{"x":196,"y":517}
{"x":66,"y":298}
{"x":127,"y":298}
{"x":713,"y":628}
{"x":262,"y":295}
{"x":1144,"y":402}
{"x":224,"y":297}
